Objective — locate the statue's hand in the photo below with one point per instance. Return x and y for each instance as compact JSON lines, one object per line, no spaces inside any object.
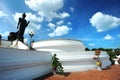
{"x":28,"y":22}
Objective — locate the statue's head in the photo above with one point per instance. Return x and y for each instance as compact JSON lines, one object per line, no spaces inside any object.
{"x":23,"y":15}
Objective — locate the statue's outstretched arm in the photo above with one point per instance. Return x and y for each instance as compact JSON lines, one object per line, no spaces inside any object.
{"x":27,"y":23}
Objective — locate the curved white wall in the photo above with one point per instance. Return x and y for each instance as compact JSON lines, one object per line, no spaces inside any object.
{"x":16,"y":64}
{"x":72,"y":54}
{"x":79,"y":61}
{"x":59,"y":45}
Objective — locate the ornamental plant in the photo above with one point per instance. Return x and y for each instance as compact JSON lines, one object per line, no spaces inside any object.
{"x":56,"y":65}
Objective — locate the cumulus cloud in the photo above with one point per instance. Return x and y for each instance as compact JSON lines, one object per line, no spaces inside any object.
{"x":4,"y":34}
{"x":51,"y":26}
{"x":29,"y":16}
{"x":108,"y":37}
{"x":2,"y":14}
{"x":44,"y":5}
{"x":16,"y":16}
{"x":103,"y":22}
{"x":47,"y":8}
{"x":91,"y":44}
{"x":59,"y":31}
{"x":34,"y":18}
{"x":32,"y":26}
{"x":64,"y":15}
{"x":60,"y":22}
{"x":48,"y":16}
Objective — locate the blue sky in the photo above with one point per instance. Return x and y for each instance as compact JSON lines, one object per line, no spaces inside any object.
{"x":94,"y":22}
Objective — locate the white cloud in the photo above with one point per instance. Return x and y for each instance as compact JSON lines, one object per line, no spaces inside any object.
{"x":48,"y":16}
{"x":2,"y":14}
{"x":16,"y":16}
{"x":4,"y":34}
{"x":71,"y":9}
{"x":60,"y":22}
{"x":91,"y":44}
{"x":47,"y":8}
{"x":30,"y":16}
{"x":108,"y":37}
{"x":34,"y":18}
{"x":64,"y":15}
{"x":51,"y":26}
{"x":32,"y":26}
{"x":44,"y":5}
{"x":59,"y":31}
{"x":69,"y":23}
{"x":103,"y":22}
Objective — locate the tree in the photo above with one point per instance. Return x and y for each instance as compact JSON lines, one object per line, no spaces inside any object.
{"x":87,"y":49}
{"x":56,"y":65}
{"x":94,"y":49}
{"x":117,"y":51}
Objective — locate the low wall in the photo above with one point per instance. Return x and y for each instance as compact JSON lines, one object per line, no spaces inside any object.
{"x":23,"y":64}
{"x":9,"y":44}
{"x":16,"y":64}
{"x":80,"y":61}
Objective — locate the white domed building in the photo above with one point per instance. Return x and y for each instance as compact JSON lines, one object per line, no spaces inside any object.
{"x":55,"y":45}
{"x":72,"y":54}
{"x":16,"y":59}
